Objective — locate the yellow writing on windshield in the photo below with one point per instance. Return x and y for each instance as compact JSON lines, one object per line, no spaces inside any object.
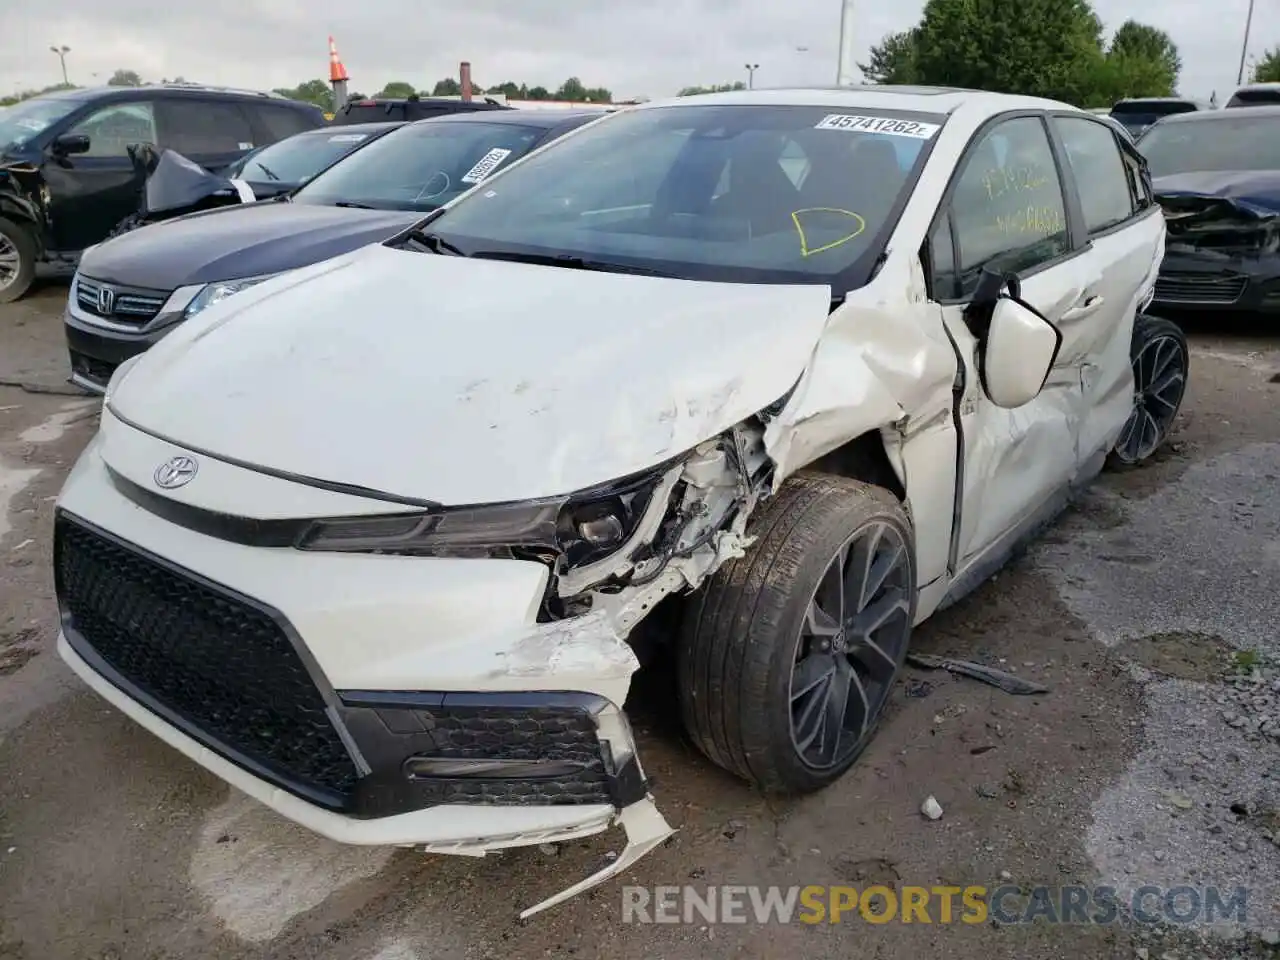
{"x":1040,"y":221}
{"x":1001,"y":181}
{"x":817,"y":214}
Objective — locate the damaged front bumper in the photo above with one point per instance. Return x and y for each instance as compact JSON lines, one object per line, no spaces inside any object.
{"x":376,"y":700}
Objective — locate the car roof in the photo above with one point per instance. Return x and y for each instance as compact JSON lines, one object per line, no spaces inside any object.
{"x":1159,"y":100}
{"x":1215,"y":116}
{"x":346,"y":129}
{"x":169,"y":89}
{"x":545,"y":119}
{"x":904,"y":97}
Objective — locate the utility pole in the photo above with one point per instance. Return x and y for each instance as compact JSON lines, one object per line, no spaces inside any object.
{"x":751,"y":75}
{"x":844,"y":70}
{"x":1244,"y":48}
{"x":62,"y":52}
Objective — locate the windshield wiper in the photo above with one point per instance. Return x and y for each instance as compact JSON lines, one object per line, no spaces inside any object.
{"x":569,"y":261}
{"x":265,"y":169}
{"x":434,"y":242}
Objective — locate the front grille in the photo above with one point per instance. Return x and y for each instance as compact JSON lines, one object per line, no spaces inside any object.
{"x":1200,"y":287}
{"x":129,"y":305}
{"x":206,"y":659}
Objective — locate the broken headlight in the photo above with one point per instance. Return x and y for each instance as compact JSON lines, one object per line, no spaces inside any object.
{"x":581,"y":527}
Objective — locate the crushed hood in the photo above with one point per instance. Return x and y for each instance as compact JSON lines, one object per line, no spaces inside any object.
{"x":1222,"y":213}
{"x":459,"y":380}
{"x":236,"y":242}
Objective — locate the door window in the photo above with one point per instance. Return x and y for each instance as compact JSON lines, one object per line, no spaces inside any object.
{"x":1099,"y":168}
{"x":279,"y":122}
{"x":112,"y":129}
{"x":197,"y":127}
{"x":1008,"y":211}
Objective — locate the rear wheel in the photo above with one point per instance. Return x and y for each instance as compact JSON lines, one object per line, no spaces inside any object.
{"x":17,"y":260}
{"x":1161,"y":363}
{"x":790,"y":652}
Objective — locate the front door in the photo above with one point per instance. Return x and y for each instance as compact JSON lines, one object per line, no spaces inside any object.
{"x":1008,"y":212}
{"x":213,"y":133}
{"x":89,"y":193}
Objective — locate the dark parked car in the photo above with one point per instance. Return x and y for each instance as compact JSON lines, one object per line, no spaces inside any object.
{"x":66,"y":178}
{"x":284,"y":166}
{"x":378,"y":110}
{"x":1217,"y":175}
{"x":131,"y":291}
{"x":1138,"y":113}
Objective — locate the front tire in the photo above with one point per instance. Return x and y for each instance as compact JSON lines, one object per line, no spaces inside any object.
{"x":789,"y":653}
{"x":1161,"y":363}
{"x":17,"y":260}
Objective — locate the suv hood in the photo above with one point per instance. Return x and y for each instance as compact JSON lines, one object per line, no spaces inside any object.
{"x":236,"y":242}
{"x":458,"y":380}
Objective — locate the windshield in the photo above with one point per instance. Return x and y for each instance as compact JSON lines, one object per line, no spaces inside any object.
{"x":1251,"y":143}
{"x":1137,"y":115}
{"x":738,"y":193}
{"x":421,"y":166}
{"x":29,"y":118}
{"x":297,"y":159}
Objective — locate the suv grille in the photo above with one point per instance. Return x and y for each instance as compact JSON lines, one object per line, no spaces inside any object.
{"x":1199,"y":287}
{"x":207,"y":660}
{"x":131,"y":305}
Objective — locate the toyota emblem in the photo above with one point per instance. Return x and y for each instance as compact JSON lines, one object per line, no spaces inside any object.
{"x":106,"y":301}
{"x":176,"y":472}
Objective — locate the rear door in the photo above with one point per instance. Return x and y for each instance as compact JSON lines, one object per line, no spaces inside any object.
{"x":273,"y":122}
{"x":1125,"y":232}
{"x":1007,"y":209}
{"x":89,"y":193}
{"x":213,"y":133}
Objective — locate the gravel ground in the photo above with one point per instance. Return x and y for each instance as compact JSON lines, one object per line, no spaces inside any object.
{"x":1146,"y":611}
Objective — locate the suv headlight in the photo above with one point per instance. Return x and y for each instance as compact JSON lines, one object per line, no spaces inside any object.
{"x":216,"y":292}
{"x":581,"y":527}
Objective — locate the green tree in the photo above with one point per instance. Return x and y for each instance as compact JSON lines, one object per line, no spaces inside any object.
{"x":571,"y":89}
{"x":893,"y":59}
{"x":1267,"y":69}
{"x":397,"y":90}
{"x":1138,"y":41}
{"x":1048,"y":48}
{"x":313,"y":91}
{"x":539,"y":93}
{"x":512,"y":90}
{"x":448,"y":87}
{"x":714,"y":88}
{"x":125,"y":78}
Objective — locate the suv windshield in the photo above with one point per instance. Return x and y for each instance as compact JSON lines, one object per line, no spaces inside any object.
{"x":1238,"y":143}
{"x":737,"y":193}
{"x":421,"y":166}
{"x":1255,"y":97}
{"x":29,"y":118}
{"x":299,"y":158}
{"x":1137,"y":115}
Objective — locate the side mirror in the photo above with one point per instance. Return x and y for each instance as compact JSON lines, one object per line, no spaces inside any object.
{"x":70,"y":143}
{"x":1021,"y":347}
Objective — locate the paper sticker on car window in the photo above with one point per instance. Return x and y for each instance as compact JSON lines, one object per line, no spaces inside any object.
{"x":488,"y":163}
{"x":348,"y":138}
{"x":246,"y":146}
{"x":886,"y":125}
{"x":30,"y":123}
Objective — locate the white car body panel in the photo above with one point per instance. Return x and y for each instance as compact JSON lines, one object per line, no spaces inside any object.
{"x":399,"y":378}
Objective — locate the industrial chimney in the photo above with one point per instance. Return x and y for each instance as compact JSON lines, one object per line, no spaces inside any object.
{"x":464,"y":79}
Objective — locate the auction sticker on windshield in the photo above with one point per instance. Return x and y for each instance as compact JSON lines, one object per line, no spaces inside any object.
{"x":488,"y":163}
{"x":887,"y":125}
{"x":348,"y":138}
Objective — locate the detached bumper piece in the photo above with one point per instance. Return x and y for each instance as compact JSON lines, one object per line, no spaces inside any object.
{"x":232,"y":673}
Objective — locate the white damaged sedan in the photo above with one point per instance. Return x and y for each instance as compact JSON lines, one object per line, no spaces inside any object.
{"x":373,"y":540}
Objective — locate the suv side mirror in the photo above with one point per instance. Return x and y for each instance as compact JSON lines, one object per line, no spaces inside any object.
{"x":70,"y":143}
{"x":1019,"y":349}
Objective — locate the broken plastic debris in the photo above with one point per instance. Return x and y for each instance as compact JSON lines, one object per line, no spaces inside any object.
{"x":1006,"y":681}
{"x":931,"y":808}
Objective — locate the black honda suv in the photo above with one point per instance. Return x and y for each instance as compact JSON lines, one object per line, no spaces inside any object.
{"x":66,"y":178}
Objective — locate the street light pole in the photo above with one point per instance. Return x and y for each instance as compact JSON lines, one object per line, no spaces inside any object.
{"x":844,"y":70}
{"x":751,"y":75}
{"x":62,"y":52}
{"x":1244,"y":49}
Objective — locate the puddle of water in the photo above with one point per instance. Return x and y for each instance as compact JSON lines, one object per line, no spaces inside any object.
{"x":13,"y":480}
{"x":258,"y":870}
{"x":56,"y":425}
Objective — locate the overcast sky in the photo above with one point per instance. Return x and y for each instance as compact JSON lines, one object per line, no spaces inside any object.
{"x":634,"y":49}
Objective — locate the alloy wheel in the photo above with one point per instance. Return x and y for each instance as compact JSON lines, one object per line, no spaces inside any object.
{"x":1160,"y":379}
{"x":9,"y":261}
